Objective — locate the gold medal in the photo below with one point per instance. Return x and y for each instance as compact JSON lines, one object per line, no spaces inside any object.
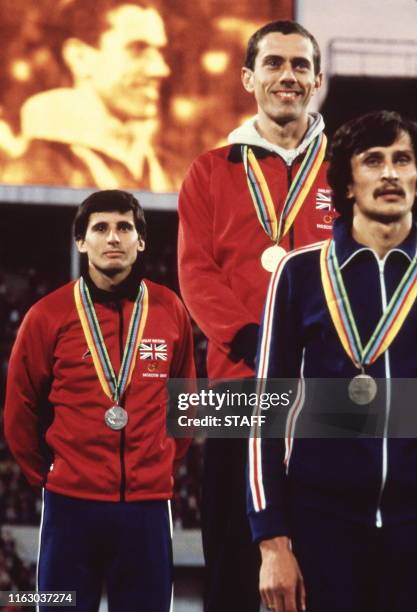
{"x":271,"y":257}
{"x":362,"y":389}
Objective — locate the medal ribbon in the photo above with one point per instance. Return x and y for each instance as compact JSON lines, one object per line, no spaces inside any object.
{"x":300,"y":186}
{"x":114,"y":387}
{"x":341,"y":313}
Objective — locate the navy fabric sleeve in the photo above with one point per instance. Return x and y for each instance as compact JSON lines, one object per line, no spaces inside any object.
{"x":279,"y":356}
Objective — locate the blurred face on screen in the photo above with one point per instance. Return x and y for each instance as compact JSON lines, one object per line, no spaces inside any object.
{"x":283,"y":79}
{"x":127,"y":66}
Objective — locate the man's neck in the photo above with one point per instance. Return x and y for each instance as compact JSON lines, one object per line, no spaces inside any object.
{"x":381,"y":237}
{"x":286,"y":135}
{"x":108,"y":283}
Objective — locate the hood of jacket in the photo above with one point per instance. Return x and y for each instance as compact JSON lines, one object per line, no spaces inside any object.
{"x":248,"y":134}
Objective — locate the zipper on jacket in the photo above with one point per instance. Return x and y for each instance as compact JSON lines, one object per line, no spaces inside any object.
{"x":291,"y":230}
{"x":378,"y":517}
{"x":121,"y":402}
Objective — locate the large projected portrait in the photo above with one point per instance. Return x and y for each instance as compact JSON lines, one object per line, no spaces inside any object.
{"x":120,"y":93}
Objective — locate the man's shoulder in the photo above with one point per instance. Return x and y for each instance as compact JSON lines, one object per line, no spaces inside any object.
{"x":214,"y":164}
{"x":301,"y":260}
{"x":219,"y":154}
{"x":161,"y":293}
{"x":56,"y":302}
{"x":165,"y":298}
{"x":47,"y":162}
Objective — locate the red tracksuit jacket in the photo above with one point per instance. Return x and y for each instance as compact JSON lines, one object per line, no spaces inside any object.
{"x":52,"y":378}
{"x":221,"y":241}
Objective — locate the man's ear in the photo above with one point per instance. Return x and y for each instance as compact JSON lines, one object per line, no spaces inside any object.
{"x":79,"y":57}
{"x":247,"y":79}
{"x":318,"y":82}
{"x":81,"y":246}
{"x":349,"y":191}
{"x":141,"y":244}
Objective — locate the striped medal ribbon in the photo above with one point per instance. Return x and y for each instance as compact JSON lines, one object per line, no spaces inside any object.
{"x":341,"y":313}
{"x":262,"y":199}
{"x":113,"y":386}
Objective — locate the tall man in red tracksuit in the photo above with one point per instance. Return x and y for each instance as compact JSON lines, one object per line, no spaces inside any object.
{"x":85,"y":416}
{"x":241,"y":207}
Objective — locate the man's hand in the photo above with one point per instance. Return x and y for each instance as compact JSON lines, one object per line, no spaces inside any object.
{"x":280,"y":582}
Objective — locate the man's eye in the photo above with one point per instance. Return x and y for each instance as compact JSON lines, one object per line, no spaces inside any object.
{"x":100,"y":228}
{"x":125,"y":227}
{"x":372,"y":160}
{"x":272,"y":61}
{"x":301,"y":66}
{"x":403,"y":159}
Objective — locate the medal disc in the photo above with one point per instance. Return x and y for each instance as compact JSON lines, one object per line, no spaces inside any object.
{"x":116,"y":417}
{"x":362,"y":389}
{"x":271,"y":257}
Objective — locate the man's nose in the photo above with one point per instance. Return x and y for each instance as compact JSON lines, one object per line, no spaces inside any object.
{"x":156,"y":65}
{"x":287,"y":74}
{"x":389,"y":171}
{"x":113,"y":236}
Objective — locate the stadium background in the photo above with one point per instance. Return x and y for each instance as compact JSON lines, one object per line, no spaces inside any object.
{"x":370,"y":62}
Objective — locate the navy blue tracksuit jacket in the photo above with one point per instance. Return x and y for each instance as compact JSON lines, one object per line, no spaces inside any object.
{"x":369,"y":480}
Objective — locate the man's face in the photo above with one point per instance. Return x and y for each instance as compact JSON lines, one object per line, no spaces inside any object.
{"x":127,"y":68}
{"x":283,"y":78}
{"x":384,"y":181}
{"x":111,"y":242}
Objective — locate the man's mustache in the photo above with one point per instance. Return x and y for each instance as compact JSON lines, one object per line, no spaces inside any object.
{"x":389,"y":190}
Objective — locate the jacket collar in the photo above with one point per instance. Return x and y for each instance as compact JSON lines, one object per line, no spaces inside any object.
{"x":128,"y":289}
{"x":347,"y":248}
{"x":248,"y":134}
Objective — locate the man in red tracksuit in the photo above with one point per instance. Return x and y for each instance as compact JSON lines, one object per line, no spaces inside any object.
{"x":85,"y":416}
{"x":241,"y":207}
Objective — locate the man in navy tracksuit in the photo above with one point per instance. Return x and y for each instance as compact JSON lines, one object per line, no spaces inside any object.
{"x":336,"y":519}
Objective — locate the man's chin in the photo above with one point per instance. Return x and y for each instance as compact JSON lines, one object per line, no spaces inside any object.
{"x":139,"y":111}
{"x":387,"y":217}
{"x":287,"y":115}
{"x":111,"y":271}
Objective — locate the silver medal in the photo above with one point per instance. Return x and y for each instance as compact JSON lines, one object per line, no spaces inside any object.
{"x":362,"y":389}
{"x":116,"y":417}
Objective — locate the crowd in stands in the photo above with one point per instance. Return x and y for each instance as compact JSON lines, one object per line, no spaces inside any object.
{"x":15,"y":575}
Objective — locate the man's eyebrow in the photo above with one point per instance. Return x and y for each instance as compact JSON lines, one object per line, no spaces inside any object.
{"x":272,"y":56}
{"x":294,"y":59}
{"x":378,"y":151}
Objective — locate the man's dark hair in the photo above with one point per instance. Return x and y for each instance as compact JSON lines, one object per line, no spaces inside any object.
{"x":82,"y":19}
{"x":284,"y":27}
{"x":376,"y":129}
{"x":109,"y":200}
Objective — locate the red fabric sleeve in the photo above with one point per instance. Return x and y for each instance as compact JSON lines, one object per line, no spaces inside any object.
{"x":183,"y":367}
{"x":204,"y":288}
{"x":29,"y":374}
